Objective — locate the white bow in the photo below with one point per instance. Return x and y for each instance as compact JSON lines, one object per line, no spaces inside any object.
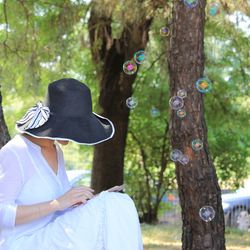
{"x":35,"y":117}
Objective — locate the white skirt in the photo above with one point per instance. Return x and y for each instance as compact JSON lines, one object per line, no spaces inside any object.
{"x":107,"y":222}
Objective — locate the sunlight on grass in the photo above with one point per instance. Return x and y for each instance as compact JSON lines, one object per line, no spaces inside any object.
{"x":162,"y":237}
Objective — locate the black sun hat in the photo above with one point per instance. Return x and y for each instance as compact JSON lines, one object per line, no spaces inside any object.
{"x":66,"y":115}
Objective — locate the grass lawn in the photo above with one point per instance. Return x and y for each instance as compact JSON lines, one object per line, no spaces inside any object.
{"x":168,"y":237}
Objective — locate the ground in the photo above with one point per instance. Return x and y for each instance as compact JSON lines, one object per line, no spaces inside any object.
{"x":165,"y":237}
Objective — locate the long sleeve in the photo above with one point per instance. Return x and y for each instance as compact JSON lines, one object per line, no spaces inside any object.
{"x":10,"y":185}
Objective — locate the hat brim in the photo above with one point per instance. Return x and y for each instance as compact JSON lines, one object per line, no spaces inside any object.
{"x":87,"y":131}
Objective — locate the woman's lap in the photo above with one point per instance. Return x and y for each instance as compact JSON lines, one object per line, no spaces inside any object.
{"x":108,"y":220}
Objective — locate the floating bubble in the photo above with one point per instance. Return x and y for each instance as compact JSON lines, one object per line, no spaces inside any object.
{"x":175,"y":155}
{"x":203,"y":85}
{"x":197,"y":144}
{"x":207,"y":213}
{"x":176,"y":102}
{"x":165,"y":31}
{"x":155,"y":112}
{"x":139,"y":56}
{"x":181,"y":113}
{"x":131,"y":102}
{"x":182,"y":93}
{"x":183,"y":159}
{"x":129,"y":67}
{"x":214,"y":9}
{"x":191,"y":3}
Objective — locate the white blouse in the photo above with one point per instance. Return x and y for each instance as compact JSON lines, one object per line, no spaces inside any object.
{"x":22,"y":169}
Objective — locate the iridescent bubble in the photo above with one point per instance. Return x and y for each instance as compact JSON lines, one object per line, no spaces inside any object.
{"x":175,"y":155}
{"x":155,"y":112}
{"x":214,"y":9}
{"x":207,"y":213}
{"x":191,"y":3}
{"x":131,"y":102}
{"x":139,"y":56}
{"x":183,"y":159}
{"x":182,"y":93}
{"x":129,"y":67}
{"x":203,"y":85}
{"x":181,"y":113}
{"x":165,"y":31}
{"x":197,"y":144}
{"x":176,"y":102}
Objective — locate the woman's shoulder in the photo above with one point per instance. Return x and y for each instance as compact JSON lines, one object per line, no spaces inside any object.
{"x":15,"y":145}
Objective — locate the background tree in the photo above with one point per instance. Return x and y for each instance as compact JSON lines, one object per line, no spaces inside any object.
{"x":4,"y":133}
{"x":110,"y":52}
{"x":197,"y":181}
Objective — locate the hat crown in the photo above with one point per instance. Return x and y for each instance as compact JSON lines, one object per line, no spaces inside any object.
{"x":69,"y":98}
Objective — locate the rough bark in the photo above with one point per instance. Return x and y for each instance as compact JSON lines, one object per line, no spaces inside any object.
{"x":197,"y":181}
{"x":115,"y":88}
{"x":4,"y":134}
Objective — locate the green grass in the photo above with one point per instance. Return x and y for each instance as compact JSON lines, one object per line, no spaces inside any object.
{"x":168,"y":237}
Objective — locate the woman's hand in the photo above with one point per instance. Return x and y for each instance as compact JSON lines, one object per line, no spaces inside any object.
{"x":75,"y":196}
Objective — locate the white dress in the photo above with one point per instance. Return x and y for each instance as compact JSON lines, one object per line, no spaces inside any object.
{"x":107,"y":222}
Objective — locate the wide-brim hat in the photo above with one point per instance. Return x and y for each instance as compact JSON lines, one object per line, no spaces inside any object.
{"x":66,"y":115}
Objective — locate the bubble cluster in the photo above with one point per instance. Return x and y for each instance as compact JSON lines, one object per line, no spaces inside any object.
{"x":207,"y":213}
{"x":165,"y":31}
{"x":176,"y":102}
{"x":139,"y":56}
{"x":129,"y":67}
{"x":203,"y":85}
{"x":177,"y":155}
{"x":181,"y":113}
{"x":182,"y":93}
{"x":197,"y":145}
{"x":131,"y":102}
{"x":154,"y":112}
{"x":214,"y":8}
{"x":191,"y":3}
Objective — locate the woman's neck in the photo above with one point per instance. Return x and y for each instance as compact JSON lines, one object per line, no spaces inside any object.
{"x":42,"y":142}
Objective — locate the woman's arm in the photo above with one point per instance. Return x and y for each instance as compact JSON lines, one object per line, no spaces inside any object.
{"x":76,"y":195}
{"x":25,"y":214}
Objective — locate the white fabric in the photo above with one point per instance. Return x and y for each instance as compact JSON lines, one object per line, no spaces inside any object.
{"x":107,"y":222}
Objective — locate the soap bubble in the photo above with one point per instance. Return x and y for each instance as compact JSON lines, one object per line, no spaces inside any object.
{"x":139,"y":56}
{"x":182,"y":93}
{"x":197,"y":144}
{"x":131,"y":102}
{"x":155,"y":112}
{"x":214,"y":9}
{"x":183,"y":159}
{"x":203,"y":85}
{"x":207,"y":213}
{"x":165,"y":31}
{"x":176,"y":102}
{"x":129,"y":67}
{"x":191,"y":3}
{"x":175,"y":155}
{"x":181,"y":113}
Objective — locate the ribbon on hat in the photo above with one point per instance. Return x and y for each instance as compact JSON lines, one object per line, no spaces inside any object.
{"x":35,"y":117}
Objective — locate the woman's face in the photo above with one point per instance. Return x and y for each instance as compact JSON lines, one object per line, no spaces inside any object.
{"x":63,"y":142}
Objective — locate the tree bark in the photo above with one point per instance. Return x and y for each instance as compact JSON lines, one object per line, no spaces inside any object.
{"x":197,"y":181}
{"x":115,"y":88}
{"x":4,"y":134}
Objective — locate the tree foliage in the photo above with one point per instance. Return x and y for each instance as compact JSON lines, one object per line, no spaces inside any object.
{"x":41,"y":41}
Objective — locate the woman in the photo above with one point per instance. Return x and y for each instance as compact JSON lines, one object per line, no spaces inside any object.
{"x":39,"y":210}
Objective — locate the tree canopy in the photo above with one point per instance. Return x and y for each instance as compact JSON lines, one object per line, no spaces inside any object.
{"x":41,"y":41}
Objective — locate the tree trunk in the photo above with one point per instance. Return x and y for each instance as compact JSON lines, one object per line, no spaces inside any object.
{"x":4,"y":134}
{"x":115,"y":88}
{"x":197,"y":181}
